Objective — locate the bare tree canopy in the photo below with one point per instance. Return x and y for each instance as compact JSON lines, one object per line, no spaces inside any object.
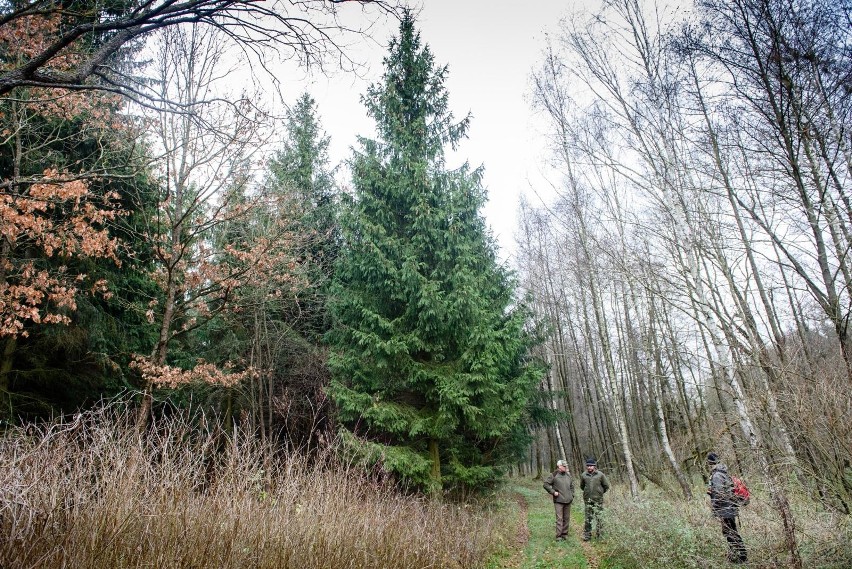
{"x":85,"y":36}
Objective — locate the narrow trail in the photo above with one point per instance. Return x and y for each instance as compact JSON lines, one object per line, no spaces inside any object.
{"x":533,"y":545}
{"x":523,"y":535}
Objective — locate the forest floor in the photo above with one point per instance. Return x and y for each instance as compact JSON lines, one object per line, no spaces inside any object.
{"x":533,"y":545}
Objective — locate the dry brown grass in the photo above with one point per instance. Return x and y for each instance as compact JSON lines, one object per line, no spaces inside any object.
{"x":89,"y":492}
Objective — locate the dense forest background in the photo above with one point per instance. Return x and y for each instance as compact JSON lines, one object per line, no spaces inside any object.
{"x":170,"y":244}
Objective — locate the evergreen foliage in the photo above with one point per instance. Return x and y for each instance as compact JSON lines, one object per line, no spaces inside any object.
{"x":64,"y":367}
{"x":300,"y":170}
{"x":278,"y":328}
{"x":429,"y":364}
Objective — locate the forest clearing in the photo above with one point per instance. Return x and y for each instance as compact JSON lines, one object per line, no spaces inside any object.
{"x":221,"y":346}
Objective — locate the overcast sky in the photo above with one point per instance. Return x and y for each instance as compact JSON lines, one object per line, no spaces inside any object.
{"x":490,"y":48}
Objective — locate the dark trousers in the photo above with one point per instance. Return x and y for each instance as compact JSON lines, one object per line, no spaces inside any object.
{"x":563,"y":516}
{"x":736,"y":547}
{"x":593,"y":514}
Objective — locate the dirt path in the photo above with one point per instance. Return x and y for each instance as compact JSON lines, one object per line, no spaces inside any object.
{"x":523,"y":535}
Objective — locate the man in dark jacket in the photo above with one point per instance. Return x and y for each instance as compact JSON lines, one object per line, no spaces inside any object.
{"x":560,"y":485}
{"x":594,"y":485}
{"x":721,"y":491}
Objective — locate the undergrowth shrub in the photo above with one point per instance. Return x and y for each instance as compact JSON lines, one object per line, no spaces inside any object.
{"x":91,"y":492}
{"x":661,"y":531}
{"x":656,"y":532}
{"x":824,"y":536}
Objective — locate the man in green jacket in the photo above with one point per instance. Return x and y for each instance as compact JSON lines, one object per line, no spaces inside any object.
{"x":560,"y":485}
{"x":594,"y":484}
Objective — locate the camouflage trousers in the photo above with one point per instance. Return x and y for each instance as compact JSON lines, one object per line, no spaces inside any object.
{"x":593,"y":517}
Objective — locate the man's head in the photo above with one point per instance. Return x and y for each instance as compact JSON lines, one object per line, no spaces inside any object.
{"x":562,"y":465}
{"x":591,"y":465}
{"x":712,"y":459}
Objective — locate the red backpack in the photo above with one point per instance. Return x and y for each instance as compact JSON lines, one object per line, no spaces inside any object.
{"x":741,"y":495}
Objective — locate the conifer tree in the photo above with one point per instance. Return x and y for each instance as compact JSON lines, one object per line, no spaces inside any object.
{"x":429,"y":369}
{"x":300,"y":170}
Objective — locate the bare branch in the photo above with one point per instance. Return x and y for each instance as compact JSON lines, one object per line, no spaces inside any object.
{"x":308,"y":29}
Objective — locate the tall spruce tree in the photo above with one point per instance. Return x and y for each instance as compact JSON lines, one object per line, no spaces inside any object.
{"x":300,"y":169}
{"x":429,"y":368}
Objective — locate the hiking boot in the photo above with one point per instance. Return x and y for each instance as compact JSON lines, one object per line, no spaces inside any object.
{"x":586,"y":537}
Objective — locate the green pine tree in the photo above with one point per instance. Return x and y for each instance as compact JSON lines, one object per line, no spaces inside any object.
{"x":429,"y":351}
{"x":300,"y":169}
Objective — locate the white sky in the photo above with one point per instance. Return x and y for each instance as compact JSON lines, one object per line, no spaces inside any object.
{"x":490,"y":48}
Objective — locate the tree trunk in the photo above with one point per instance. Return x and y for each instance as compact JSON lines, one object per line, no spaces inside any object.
{"x":7,"y":362}
{"x":435,"y":472}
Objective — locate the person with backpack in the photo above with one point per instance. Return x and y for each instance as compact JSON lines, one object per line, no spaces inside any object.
{"x":560,"y":485}
{"x":594,"y":484}
{"x":725,"y":505}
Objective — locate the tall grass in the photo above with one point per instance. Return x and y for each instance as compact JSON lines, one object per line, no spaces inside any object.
{"x":90,"y":492}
